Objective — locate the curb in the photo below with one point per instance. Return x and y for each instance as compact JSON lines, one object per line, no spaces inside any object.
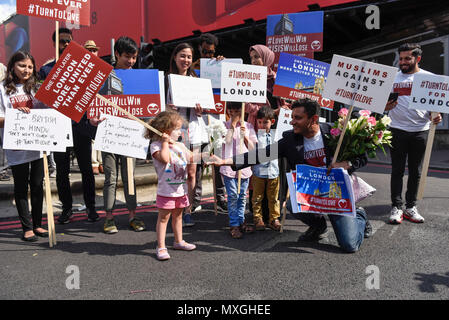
{"x":433,"y":167}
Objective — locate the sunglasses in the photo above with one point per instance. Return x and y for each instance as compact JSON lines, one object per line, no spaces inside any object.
{"x":64,"y":41}
{"x":204,"y":51}
{"x":92,"y":50}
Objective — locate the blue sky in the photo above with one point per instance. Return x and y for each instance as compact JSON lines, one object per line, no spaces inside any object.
{"x":7,"y":7}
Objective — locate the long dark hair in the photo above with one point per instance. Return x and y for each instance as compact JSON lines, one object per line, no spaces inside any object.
{"x":11,"y":78}
{"x":173,"y":67}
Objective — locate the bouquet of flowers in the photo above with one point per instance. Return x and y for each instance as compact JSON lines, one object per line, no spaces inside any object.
{"x":363,"y":135}
{"x":217,"y":133}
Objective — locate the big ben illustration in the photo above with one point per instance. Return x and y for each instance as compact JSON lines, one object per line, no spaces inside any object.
{"x":334,"y":191}
{"x":284,"y":26}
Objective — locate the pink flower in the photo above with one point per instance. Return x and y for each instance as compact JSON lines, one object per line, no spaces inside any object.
{"x":372,"y":121}
{"x":335,"y":132}
{"x":343,"y":112}
{"x":380,"y":135}
{"x":365,"y":113}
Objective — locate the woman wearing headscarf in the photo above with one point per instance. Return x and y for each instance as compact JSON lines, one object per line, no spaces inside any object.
{"x":261,"y":55}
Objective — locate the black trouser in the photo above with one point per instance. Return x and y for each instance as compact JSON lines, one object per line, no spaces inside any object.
{"x":410,"y":147}
{"x":82,"y":146}
{"x":32,"y":174}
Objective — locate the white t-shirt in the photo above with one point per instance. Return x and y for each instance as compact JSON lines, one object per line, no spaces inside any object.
{"x":314,"y":153}
{"x":19,"y":98}
{"x":402,"y":117}
{"x":172,"y":177}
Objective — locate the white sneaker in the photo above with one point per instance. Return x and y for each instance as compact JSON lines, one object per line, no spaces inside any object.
{"x":413,"y":215}
{"x":199,"y":208}
{"x":396,"y":215}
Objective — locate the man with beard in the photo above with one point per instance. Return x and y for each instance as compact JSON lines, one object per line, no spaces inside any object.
{"x":410,"y":129}
{"x":83,"y":133}
{"x":308,"y":143}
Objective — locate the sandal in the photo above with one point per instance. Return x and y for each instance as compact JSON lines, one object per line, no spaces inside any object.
{"x":236,"y":233}
{"x":184,"y":246}
{"x":275,"y":225}
{"x":260,"y":226}
{"x":246,"y":228}
{"x":162,"y":254}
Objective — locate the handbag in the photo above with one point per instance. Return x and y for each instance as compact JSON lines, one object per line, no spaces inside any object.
{"x":362,"y":190}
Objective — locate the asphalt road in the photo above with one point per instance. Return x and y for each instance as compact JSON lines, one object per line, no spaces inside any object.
{"x":411,"y":259}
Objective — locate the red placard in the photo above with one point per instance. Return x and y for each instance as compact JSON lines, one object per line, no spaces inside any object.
{"x":139,"y":105}
{"x":295,"y":94}
{"x":219,"y":106}
{"x":76,"y":12}
{"x":74,"y":81}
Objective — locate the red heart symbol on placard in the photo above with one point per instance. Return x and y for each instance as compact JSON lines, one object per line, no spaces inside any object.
{"x":152,"y":108}
{"x":219,"y":107}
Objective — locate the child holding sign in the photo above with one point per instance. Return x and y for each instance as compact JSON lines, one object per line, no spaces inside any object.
{"x":170,"y":161}
{"x":17,"y":91}
{"x":237,"y":201}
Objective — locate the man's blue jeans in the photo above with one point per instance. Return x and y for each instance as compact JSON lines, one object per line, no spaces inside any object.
{"x":348,"y":230}
{"x":236,"y":202}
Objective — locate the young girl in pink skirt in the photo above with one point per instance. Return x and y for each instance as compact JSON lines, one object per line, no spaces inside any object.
{"x":170,"y":159}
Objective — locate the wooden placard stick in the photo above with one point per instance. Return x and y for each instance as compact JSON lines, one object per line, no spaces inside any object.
{"x":342,"y":134}
{"x":427,"y":154}
{"x":284,"y":211}
{"x":213,"y":178}
{"x":48,"y":200}
{"x":242,"y":138}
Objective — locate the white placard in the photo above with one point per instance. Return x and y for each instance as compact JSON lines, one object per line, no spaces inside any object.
{"x":359,"y":83}
{"x":211,"y":69}
{"x":285,"y":117}
{"x":40,"y":130}
{"x":243,"y":83}
{"x":188,"y":91}
{"x":430,"y":92}
{"x":121,"y":136}
{"x":162,"y":90}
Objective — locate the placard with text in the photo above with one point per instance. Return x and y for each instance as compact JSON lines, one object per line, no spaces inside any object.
{"x":430,"y":92}
{"x":299,"y":77}
{"x":75,"y":12}
{"x":39,"y":130}
{"x":359,"y":83}
{"x":74,"y":81}
{"x":243,"y":83}
{"x":121,"y":136}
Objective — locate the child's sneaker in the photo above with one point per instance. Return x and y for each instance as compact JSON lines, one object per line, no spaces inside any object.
{"x":109,"y":226}
{"x":395,"y":215}
{"x":413,"y":215}
{"x":184,"y":246}
{"x":162,"y":254}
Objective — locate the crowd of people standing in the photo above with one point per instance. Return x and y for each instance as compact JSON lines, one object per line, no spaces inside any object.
{"x":179,"y":166}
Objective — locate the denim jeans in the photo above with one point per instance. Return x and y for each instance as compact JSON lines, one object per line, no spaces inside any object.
{"x":236,"y":202}
{"x":348,"y":230}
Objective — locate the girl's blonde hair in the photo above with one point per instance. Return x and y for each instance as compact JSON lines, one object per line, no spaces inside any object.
{"x":165,"y":122}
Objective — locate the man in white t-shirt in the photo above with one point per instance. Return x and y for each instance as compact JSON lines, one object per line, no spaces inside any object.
{"x":410,"y":128}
